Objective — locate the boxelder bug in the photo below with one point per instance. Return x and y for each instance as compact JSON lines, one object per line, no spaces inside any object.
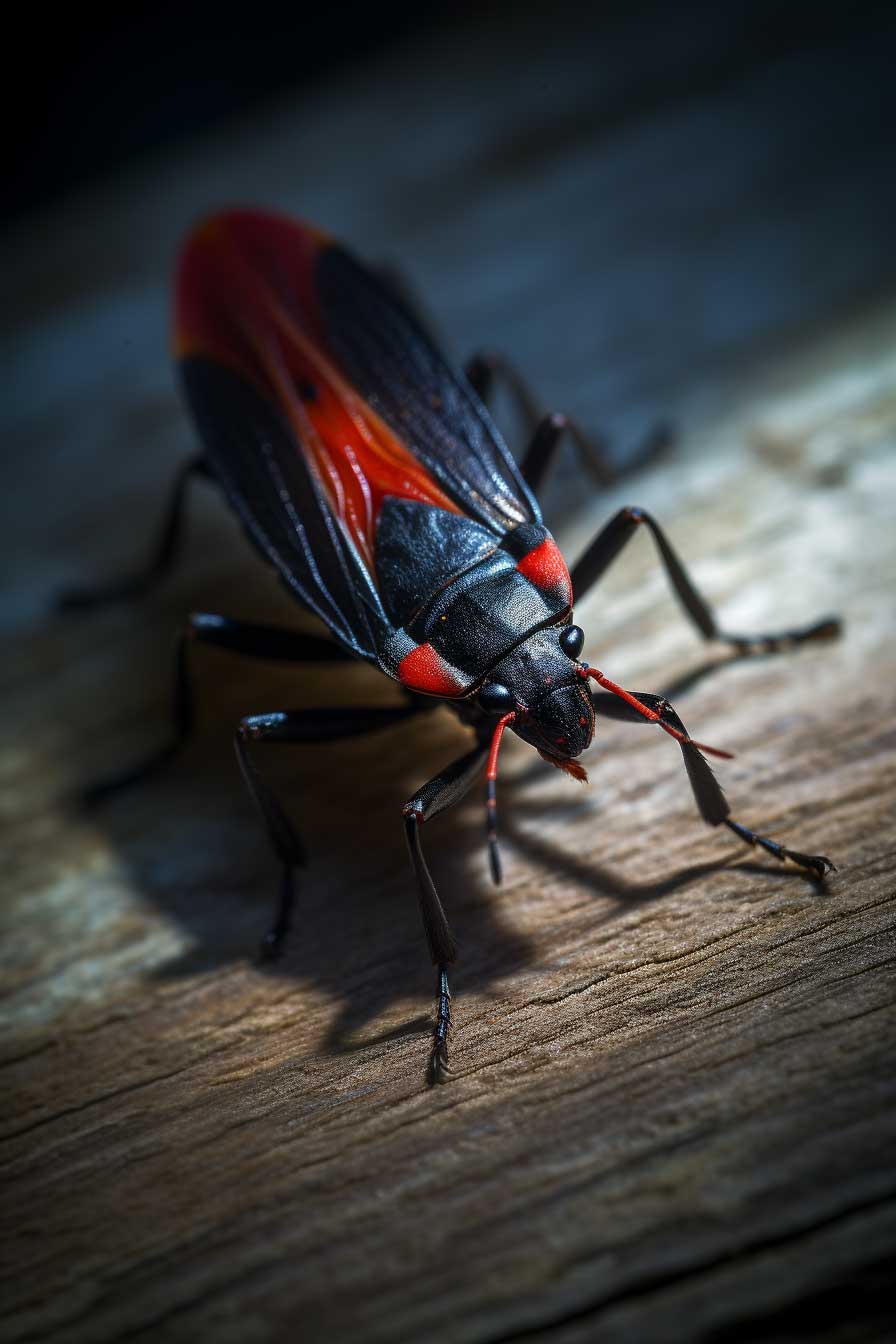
{"x":368,"y":472}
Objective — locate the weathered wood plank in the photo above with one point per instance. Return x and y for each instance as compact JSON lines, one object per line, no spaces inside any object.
{"x":672,"y":1115}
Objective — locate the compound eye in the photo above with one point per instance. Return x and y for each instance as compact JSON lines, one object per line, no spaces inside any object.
{"x":495,"y":698}
{"x":572,"y":639}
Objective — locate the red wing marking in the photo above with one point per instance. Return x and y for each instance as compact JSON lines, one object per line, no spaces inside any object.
{"x":245,"y":297}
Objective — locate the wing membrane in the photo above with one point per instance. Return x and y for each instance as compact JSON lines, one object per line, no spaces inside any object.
{"x":393,"y":363}
{"x":281,"y":504}
{"x":319,"y":396}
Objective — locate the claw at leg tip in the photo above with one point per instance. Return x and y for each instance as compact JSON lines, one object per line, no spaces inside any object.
{"x":438,"y":1069}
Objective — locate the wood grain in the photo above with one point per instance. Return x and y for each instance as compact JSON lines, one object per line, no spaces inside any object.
{"x":672,"y":1110}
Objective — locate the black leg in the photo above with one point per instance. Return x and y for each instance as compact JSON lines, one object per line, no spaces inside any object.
{"x":546,"y":431}
{"x":620,"y":529}
{"x":440,"y":793}
{"x":708,"y":794}
{"x":542,"y":449}
{"x":302,"y":725}
{"x":243,"y":637}
{"x":253,"y":640}
{"x":162,"y":557}
{"x":311,"y":725}
{"x":482,"y":371}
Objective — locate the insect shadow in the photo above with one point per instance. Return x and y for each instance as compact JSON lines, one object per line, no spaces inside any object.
{"x":191,"y":843}
{"x":193,"y":846}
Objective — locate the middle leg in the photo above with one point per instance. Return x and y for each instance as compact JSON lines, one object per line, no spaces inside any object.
{"x":441,"y":792}
{"x":248,"y":638}
{"x":301,"y":725}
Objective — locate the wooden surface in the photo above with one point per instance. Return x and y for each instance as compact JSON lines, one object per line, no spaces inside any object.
{"x":672,"y":1115}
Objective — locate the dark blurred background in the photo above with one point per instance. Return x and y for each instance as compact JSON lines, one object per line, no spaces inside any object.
{"x":639,"y":204}
{"x":677,"y":212}
{"x":106,"y":88}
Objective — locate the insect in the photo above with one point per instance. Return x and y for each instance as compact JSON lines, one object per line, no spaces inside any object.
{"x":368,"y":472}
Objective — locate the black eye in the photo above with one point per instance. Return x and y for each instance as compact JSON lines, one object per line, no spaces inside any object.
{"x":572,"y":637}
{"x":495,"y":698}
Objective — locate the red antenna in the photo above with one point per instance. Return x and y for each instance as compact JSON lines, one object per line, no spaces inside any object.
{"x":652,"y":714}
{"x":491,"y":802}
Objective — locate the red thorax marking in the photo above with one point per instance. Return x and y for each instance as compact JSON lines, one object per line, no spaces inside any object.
{"x":546,"y":569}
{"x":424,"y":669}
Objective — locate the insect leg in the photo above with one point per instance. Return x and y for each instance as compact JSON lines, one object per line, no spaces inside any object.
{"x":708,"y":794}
{"x":542,"y":449}
{"x":440,"y":793}
{"x":302,"y":725}
{"x":621,"y":528}
{"x":547,"y":430}
{"x":244,"y":637}
{"x":253,"y":640}
{"x":163,"y":554}
{"x":482,"y":370}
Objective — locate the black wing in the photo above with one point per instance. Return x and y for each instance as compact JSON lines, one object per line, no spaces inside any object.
{"x":282,"y":505}
{"x":282,"y":339}
{"x":388,"y":356}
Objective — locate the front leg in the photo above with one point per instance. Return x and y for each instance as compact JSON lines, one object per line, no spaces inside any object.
{"x":440,"y":793}
{"x":711,"y":801}
{"x":619,"y":531}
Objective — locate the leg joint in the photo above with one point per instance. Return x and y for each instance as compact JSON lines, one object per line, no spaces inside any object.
{"x":258,"y":726}
{"x":200,"y":621}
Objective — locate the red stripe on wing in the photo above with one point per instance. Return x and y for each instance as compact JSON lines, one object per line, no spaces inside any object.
{"x":245,"y":297}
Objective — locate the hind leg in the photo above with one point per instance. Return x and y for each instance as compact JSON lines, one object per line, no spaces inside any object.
{"x":161,"y":559}
{"x":243,"y":637}
{"x":546,"y":431}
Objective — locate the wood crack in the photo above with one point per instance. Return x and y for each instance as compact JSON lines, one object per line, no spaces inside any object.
{"x":106,"y":1097}
{"x":651,"y":1284}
